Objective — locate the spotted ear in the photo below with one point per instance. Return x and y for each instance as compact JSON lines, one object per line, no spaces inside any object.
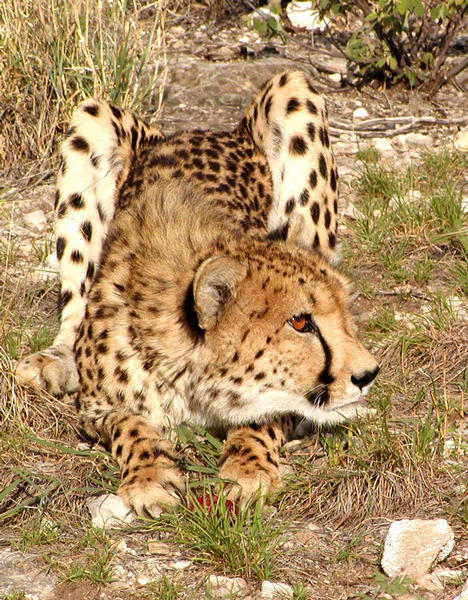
{"x":214,"y":286}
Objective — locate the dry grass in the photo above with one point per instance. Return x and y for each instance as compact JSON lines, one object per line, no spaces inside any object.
{"x":54,"y":53}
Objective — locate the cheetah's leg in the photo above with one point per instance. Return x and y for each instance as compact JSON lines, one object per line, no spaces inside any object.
{"x":151,"y":479}
{"x":250,"y":459}
{"x":96,"y":157}
{"x":287,"y":121}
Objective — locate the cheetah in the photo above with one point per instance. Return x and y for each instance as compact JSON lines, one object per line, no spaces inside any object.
{"x":198,"y":285}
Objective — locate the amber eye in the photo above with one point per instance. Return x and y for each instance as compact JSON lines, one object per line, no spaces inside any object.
{"x":298,"y":323}
{"x":302,"y":323}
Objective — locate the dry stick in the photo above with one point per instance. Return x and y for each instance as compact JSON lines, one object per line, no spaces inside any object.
{"x":336,"y":129}
{"x":445,"y":78}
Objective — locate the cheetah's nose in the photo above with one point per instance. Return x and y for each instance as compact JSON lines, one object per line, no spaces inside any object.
{"x":365,"y":378}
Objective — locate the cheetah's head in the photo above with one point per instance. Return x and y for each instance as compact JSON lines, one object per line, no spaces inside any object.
{"x":278,"y":337}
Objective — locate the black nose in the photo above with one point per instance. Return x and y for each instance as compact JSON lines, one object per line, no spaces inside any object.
{"x":366,"y":377}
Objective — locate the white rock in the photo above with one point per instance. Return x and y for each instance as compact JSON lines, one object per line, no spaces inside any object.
{"x":336,"y":77}
{"x":411,"y":546}
{"x":461,"y":140}
{"x":301,"y":14}
{"x":416,"y":139}
{"x":221,"y":586}
{"x":464,"y":204}
{"x":360,"y":113}
{"x":109,"y":511}
{"x":181,"y":564}
{"x":353,"y":213}
{"x":142,"y":580}
{"x":36,"y":219}
{"x":384,"y":146}
{"x":271,"y":589}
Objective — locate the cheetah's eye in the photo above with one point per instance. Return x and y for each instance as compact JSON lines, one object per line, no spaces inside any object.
{"x":302,"y":323}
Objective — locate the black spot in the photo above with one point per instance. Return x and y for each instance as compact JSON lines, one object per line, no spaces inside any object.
{"x":315,"y":212}
{"x":166,"y":160}
{"x":87,"y":230}
{"x":92,"y":109}
{"x":116,"y":111}
{"x":323,"y":166}
{"x":76,"y":256}
{"x":304,"y":197}
{"x":289,"y":206}
{"x":283,"y":80}
{"x":324,"y":137}
{"x":331,"y":240}
{"x":267,"y":108}
{"x":56,"y":198}
{"x":333,"y":179}
{"x":327,"y":219}
{"x":313,"y":179}
{"x":62,"y":210}
{"x":311,"y":107}
{"x":280,"y":233}
{"x":90,"y":270}
{"x":76,"y":201}
{"x":298,"y":145}
{"x":293,"y":105}
{"x":94,"y":160}
{"x":259,"y":376}
{"x":311,"y":131}
{"x":80,"y":144}
{"x":101,"y":213}
{"x":60,"y":247}
{"x":259,"y":354}
{"x":144,"y":455}
{"x":65,"y":298}
{"x":316,"y":242}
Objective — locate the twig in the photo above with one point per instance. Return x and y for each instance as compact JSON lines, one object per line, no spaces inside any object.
{"x":443,"y":79}
{"x":385,"y":126}
{"x":417,"y":295}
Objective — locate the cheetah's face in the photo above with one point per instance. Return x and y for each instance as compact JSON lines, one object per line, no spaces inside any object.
{"x":282,"y":339}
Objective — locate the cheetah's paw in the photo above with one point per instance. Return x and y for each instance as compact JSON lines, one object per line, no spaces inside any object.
{"x":152,"y":489}
{"x":248,"y":482}
{"x":52,"y":369}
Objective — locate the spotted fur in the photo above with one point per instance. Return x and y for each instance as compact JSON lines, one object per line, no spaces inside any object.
{"x":195,"y":251}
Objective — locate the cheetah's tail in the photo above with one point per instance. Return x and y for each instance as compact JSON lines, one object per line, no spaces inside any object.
{"x":287,"y":121}
{"x":96,"y":157}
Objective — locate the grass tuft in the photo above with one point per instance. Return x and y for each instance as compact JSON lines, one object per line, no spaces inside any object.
{"x":54,"y":53}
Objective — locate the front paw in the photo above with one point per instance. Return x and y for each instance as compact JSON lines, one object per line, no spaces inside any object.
{"x":248,"y":480}
{"x":151,"y":490}
{"x":52,"y":369}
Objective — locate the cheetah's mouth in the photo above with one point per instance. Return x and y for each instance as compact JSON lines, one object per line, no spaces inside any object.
{"x":357,"y":402}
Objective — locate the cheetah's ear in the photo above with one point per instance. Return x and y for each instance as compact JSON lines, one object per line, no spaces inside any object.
{"x":214,"y":286}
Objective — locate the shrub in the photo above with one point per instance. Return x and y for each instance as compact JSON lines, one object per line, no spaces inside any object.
{"x":399,"y":39}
